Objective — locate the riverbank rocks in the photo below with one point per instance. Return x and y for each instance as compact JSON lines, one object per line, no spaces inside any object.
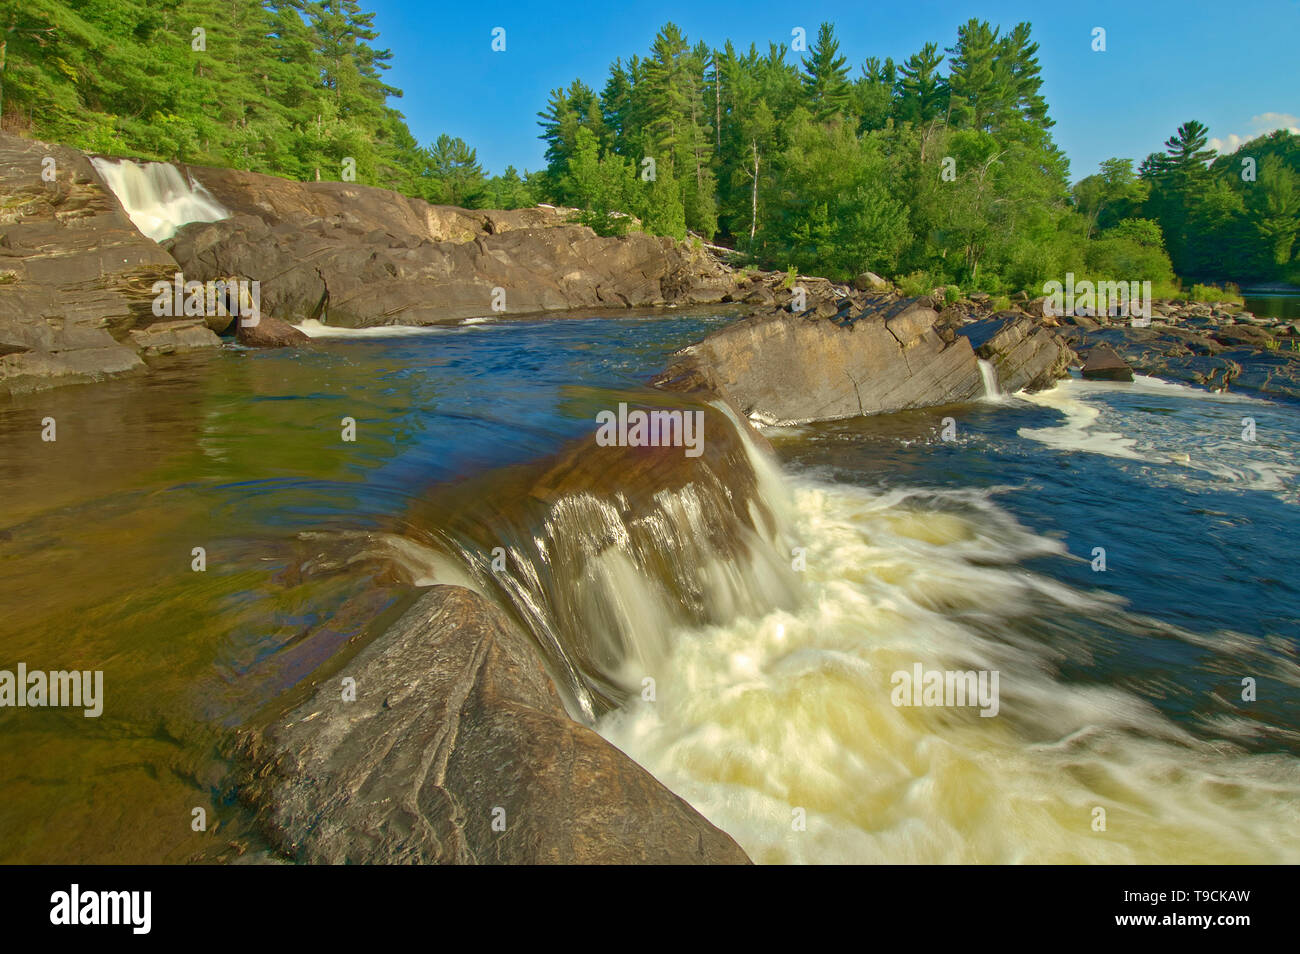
{"x":789,"y":368}
{"x":75,"y":274}
{"x":374,"y":257}
{"x":1178,"y":354}
{"x":1025,"y":355}
{"x":457,"y":750}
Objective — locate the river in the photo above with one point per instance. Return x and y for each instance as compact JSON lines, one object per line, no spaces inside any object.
{"x":1120,"y":689}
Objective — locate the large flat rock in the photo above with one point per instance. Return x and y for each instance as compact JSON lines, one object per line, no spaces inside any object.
{"x":787,"y":368}
{"x":279,"y":201}
{"x":358,"y":256}
{"x":456,"y":725}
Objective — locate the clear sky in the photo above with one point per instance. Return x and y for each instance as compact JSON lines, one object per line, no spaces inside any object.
{"x":1232,"y":64}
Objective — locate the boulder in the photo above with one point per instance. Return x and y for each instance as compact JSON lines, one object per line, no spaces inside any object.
{"x":869,"y":281}
{"x":269,"y":332}
{"x":781,"y":367}
{"x":1025,"y":355}
{"x":457,"y":750}
{"x":1103,"y":364}
{"x":174,"y":337}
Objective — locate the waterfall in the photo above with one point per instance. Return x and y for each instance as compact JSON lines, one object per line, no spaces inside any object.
{"x":603,"y":563}
{"x":990,"y":375}
{"x":157,"y":197}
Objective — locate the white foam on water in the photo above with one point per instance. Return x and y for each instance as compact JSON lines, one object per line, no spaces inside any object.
{"x":766,"y":715}
{"x":1203,"y":437}
{"x":315,"y":329}
{"x":1077,"y":433}
{"x":158,"y":199}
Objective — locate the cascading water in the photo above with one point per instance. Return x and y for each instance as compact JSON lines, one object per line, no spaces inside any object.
{"x":992,"y":392}
{"x":603,"y":573}
{"x":157,"y":197}
{"x":667,"y":605}
{"x":770,"y":606}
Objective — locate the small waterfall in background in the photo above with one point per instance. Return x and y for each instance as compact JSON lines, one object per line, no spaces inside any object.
{"x":990,"y":375}
{"x":157,"y":197}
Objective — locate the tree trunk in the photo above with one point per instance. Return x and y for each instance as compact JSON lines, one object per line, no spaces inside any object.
{"x":717,"y":105}
{"x":753,"y":195}
{"x":4,"y":46}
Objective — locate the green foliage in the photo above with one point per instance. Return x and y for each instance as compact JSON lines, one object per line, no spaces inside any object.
{"x":833,"y":212}
{"x":1213,"y":293}
{"x":825,"y":78}
{"x":601,"y":185}
{"x":940,"y":168}
{"x":1224,"y":216}
{"x":916,"y":284}
{"x":287,"y":87}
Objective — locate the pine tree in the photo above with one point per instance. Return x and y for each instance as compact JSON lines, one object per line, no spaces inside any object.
{"x":920,"y":90}
{"x":972,"y":77}
{"x":454,"y":166}
{"x":825,"y":77}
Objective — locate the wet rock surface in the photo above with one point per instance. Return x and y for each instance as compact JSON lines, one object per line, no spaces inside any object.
{"x":457,"y":750}
{"x":1025,"y":354}
{"x":75,"y":274}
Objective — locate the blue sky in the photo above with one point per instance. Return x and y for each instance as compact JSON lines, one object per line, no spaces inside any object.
{"x":1235,"y":66}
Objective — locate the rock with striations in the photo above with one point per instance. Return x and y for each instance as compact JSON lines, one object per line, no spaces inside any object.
{"x":457,"y":750}
{"x":1025,"y":355}
{"x":788,"y":368}
{"x":361,"y":256}
{"x":76,"y":276}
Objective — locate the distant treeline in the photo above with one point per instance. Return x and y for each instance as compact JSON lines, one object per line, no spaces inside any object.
{"x":937,"y":170}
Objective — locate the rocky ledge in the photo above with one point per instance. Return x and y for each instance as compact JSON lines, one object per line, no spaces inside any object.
{"x":457,"y":749}
{"x":75,"y":275}
{"x":851,"y":352}
{"x":360,"y":256}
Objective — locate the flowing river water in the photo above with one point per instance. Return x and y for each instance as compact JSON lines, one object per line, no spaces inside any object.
{"x":882,"y":546}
